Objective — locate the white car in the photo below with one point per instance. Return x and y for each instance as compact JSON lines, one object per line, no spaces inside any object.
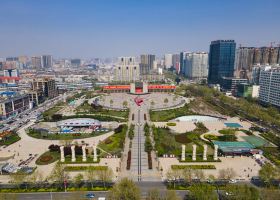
{"x":233,"y":181}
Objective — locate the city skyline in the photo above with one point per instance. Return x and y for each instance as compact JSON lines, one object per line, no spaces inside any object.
{"x":91,"y":29}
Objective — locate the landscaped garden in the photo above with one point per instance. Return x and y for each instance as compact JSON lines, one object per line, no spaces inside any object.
{"x":9,"y":139}
{"x":170,"y":143}
{"x":48,"y":158}
{"x":166,"y":115}
{"x":115,"y":143}
{"x":47,"y":115}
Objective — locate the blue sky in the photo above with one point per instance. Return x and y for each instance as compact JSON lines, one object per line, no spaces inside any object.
{"x":110,"y":28}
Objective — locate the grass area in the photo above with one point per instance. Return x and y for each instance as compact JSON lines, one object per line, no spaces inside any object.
{"x":174,"y":167}
{"x":86,"y":108}
{"x":84,"y":168}
{"x":62,"y":136}
{"x":273,"y":154}
{"x":54,"y":189}
{"x":47,"y":115}
{"x":79,"y":160}
{"x":48,"y":157}
{"x":10,"y":139}
{"x":115,"y":143}
{"x":166,"y":115}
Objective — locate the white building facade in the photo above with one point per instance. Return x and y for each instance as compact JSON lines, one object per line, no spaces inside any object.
{"x":196,"y":65}
{"x":127,"y":70}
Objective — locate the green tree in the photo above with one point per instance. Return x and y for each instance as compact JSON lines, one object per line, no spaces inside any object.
{"x":152,"y":103}
{"x":59,"y":174}
{"x":91,"y":175}
{"x":171,"y":195}
{"x":187,"y":175}
{"x":148,"y":144}
{"x":268,"y":172}
{"x":105,"y":176}
{"x":165,"y":100}
{"x":78,"y":179}
{"x":202,"y":192}
{"x":172,"y":175}
{"x":111,"y":102}
{"x":242,"y":192}
{"x":153,"y":194}
{"x":125,"y":104}
{"x":126,"y":189}
{"x":17,"y":178}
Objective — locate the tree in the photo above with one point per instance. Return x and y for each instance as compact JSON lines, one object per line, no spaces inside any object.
{"x":228,"y":173}
{"x":125,"y":104}
{"x":152,"y":103}
{"x":91,"y":175}
{"x":199,"y":174}
{"x":111,"y":102}
{"x":267,"y":173}
{"x":59,"y":174}
{"x":171,"y":195}
{"x":17,"y":178}
{"x":153,"y":194}
{"x":126,"y":189}
{"x":105,"y":176}
{"x":202,"y":192}
{"x":187,"y":175}
{"x":165,"y":100}
{"x":35,"y":177}
{"x":78,"y":179}
{"x":148,"y":144}
{"x":172,"y":175}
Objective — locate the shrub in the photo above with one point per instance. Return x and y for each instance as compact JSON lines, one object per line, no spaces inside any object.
{"x":150,"y":163}
{"x":128,"y":160}
{"x":174,"y":167}
{"x":171,"y":124}
{"x":54,"y":148}
{"x":211,"y":137}
{"x":119,"y":129}
{"x":108,"y":141}
{"x":182,"y":138}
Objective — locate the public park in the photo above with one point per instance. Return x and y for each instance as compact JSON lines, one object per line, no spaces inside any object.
{"x":95,"y":139}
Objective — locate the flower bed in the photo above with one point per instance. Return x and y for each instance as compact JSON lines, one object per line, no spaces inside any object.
{"x":193,"y":167}
{"x":83,"y":168}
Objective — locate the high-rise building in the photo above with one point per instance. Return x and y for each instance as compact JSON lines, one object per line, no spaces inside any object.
{"x":221,"y":60}
{"x":75,"y":62}
{"x":168,"y":61}
{"x":196,"y":65}
{"x":182,"y":62}
{"x":36,"y":62}
{"x":146,"y":63}
{"x":247,"y":57}
{"x":270,"y":86}
{"x":176,"y":62}
{"x":127,"y":70}
{"x":46,"y":61}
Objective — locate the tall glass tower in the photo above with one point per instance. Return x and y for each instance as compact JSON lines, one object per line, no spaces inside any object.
{"x":221,"y":60}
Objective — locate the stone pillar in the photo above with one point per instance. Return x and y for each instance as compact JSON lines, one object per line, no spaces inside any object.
{"x":194,"y":153}
{"x":84,"y":153}
{"x":205,"y":152}
{"x":62,"y":158}
{"x":183,"y":156}
{"x":215,"y":152}
{"x":94,"y":154}
{"x":73,"y":153}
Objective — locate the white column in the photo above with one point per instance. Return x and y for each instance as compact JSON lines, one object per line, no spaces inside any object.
{"x":84,"y":153}
{"x":194,"y":152}
{"x":94,"y":154}
{"x":73,"y":153}
{"x":205,"y":152}
{"x":183,"y":156}
{"x":62,"y":158}
{"x":215,"y":152}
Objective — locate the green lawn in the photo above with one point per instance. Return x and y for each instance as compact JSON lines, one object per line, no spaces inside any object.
{"x":115,"y":143}
{"x":167,"y":115}
{"x":10,"y":140}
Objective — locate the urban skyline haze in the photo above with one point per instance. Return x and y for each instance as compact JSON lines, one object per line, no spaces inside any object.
{"x":108,"y":28}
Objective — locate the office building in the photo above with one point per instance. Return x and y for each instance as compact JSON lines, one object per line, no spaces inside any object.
{"x":196,"y":65}
{"x":221,"y":60}
{"x":127,"y":70}
{"x":168,"y":61}
{"x":13,"y":105}
{"x":176,"y":62}
{"x":182,"y":62}
{"x":146,"y":63}
{"x":46,"y":61}
{"x":229,"y":84}
{"x":270,"y":86}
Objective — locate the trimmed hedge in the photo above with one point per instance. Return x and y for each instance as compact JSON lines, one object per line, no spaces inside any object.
{"x":83,"y":168}
{"x":193,"y":167}
{"x":171,"y":124}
